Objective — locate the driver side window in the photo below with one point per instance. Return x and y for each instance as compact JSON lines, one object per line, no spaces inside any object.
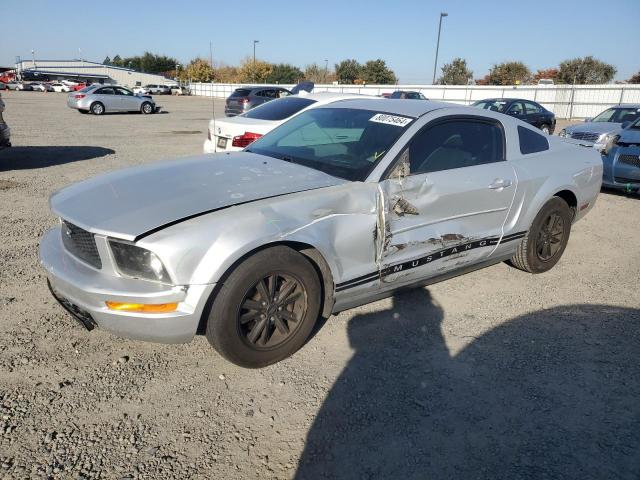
{"x":456,"y":144}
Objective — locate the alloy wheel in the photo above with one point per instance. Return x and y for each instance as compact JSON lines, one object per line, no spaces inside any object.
{"x":272,"y":310}
{"x":549,"y":239}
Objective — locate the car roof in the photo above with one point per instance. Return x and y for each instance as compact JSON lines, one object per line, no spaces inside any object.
{"x":626,"y":105}
{"x":396,"y":106}
{"x":330,"y":96}
{"x":506,"y":99}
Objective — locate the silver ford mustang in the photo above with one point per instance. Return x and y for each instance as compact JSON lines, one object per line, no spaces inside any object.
{"x":338,"y":207}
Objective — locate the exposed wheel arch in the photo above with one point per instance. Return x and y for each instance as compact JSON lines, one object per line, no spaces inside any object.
{"x":571,"y":199}
{"x":309,"y":251}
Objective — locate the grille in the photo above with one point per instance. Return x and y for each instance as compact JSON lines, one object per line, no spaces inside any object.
{"x":630,"y":160}
{"x":589,"y":137}
{"x":81,"y":243}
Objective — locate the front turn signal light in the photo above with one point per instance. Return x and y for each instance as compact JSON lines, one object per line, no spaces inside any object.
{"x":142,"y":307}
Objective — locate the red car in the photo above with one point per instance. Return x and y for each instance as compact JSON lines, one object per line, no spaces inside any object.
{"x":79,"y":86}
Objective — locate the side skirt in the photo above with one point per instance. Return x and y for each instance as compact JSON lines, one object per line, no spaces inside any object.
{"x":349,"y":303}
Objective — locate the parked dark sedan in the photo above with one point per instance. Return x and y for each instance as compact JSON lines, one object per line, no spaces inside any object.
{"x":526,"y":110}
{"x":408,"y":95}
{"x":244,"y":99}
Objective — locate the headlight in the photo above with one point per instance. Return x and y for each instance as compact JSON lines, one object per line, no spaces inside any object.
{"x":606,"y":142}
{"x":137,"y":262}
{"x":563,"y":133}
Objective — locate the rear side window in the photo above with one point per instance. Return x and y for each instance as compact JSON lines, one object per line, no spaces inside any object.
{"x":241,"y":92}
{"x":531,"y":142}
{"x":279,"y":109}
{"x":531,"y":108}
{"x":456,"y":144}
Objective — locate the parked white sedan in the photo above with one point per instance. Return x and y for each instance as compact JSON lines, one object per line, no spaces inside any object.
{"x":60,"y":87}
{"x":235,"y":133}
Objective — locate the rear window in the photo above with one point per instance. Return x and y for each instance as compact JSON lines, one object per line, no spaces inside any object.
{"x":531,"y":142}
{"x":241,"y":92}
{"x":279,"y":109}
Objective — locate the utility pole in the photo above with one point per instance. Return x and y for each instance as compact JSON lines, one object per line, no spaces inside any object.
{"x":254,"y":59}
{"x":435,"y":65}
{"x":326,"y":69}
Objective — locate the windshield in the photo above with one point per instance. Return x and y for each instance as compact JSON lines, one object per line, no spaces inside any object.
{"x":618,"y":115}
{"x":342,"y":142}
{"x":493,"y":105}
{"x":279,"y":109}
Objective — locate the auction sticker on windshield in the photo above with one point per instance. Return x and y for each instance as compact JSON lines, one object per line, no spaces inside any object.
{"x":391,"y":119}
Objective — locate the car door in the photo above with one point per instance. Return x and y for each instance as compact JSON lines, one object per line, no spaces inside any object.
{"x":128,"y":101}
{"x":449,"y":211}
{"x":533,"y":114}
{"x":107,"y":96}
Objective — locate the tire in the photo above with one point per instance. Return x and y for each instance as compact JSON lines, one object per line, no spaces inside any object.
{"x":248,"y":328}
{"x":545,"y":129}
{"x":544,"y":243}
{"x":97,"y":108}
{"x":146,"y":108}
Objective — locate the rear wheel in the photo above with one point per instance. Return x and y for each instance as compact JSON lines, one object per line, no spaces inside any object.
{"x":97,"y":108}
{"x":266,"y":308}
{"x":146,"y":108}
{"x":544,"y":243}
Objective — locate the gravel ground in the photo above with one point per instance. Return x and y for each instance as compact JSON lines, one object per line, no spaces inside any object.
{"x":496,"y":374}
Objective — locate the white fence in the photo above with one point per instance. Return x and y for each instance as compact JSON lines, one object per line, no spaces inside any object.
{"x":566,"y":101}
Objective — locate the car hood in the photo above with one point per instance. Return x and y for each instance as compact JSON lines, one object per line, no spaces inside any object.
{"x":594,"y":127}
{"x":135,"y":202}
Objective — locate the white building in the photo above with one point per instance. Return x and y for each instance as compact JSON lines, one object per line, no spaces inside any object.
{"x":83,"y":71}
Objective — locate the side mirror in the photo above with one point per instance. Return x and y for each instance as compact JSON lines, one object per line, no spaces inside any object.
{"x":588,"y":119}
{"x":403,"y":168}
{"x":625,"y":124}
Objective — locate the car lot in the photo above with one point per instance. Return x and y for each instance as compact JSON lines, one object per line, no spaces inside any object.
{"x":496,"y":374}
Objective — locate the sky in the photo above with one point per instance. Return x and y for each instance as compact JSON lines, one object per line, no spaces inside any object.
{"x":540,"y":33}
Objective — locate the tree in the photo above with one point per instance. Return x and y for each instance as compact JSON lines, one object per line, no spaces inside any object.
{"x":117,"y":61}
{"x":227,"y":74}
{"x":548,"y":73}
{"x":150,"y":63}
{"x":198,"y":70}
{"x":348,"y":71}
{"x":635,"y":78}
{"x":377,"y":72}
{"x":106,"y":61}
{"x":284,"y":73}
{"x":455,"y":73}
{"x":587,"y":70}
{"x":258,"y":73}
{"x":509,"y":73}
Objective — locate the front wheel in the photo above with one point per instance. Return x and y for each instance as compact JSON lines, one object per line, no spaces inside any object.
{"x":544,"y":243}
{"x":266,"y":308}
{"x":146,"y":108}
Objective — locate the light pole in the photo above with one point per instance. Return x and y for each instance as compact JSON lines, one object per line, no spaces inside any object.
{"x":326,"y":68}
{"x":435,"y":65}
{"x":254,"y":59}
{"x":33,"y":56}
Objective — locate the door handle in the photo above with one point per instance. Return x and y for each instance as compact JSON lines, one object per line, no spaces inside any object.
{"x":499,"y":184}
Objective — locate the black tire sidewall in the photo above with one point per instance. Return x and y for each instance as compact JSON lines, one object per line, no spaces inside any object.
{"x":143,"y":106}
{"x":555,"y":205}
{"x":222,"y":330}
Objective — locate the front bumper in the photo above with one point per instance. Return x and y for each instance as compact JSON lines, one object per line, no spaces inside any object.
{"x":79,"y":286}
{"x":619,"y":174}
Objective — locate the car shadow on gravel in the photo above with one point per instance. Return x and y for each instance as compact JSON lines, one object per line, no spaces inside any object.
{"x":24,"y":158}
{"x":549,"y":395}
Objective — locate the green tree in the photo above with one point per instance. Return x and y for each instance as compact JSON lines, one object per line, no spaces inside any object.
{"x":117,"y":61}
{"x":455,"y":73}
{"x":106,"y":61}
{"x":150,"y":63}
{"x":587,"y":70}
{"x":635,"y":78}
{"x":509,"y":73}
{"x":348,"y":71}
{"x":315,"y":73}
{"x":377,"y":72}
{"x":284,"y":73}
